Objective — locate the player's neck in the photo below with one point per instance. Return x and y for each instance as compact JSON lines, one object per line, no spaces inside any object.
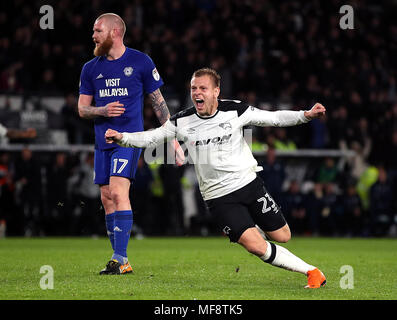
{"x":116,"y":52}
{"x":214,"y":108}
{"x":211,"y":112}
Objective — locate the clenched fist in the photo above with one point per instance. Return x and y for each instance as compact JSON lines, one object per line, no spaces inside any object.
{"x":317,"y":111}
{"x":112,"y":136}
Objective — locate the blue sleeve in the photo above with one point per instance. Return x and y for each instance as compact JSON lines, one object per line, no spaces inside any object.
{"x":85,"y":85}
{"x":151,"y":78}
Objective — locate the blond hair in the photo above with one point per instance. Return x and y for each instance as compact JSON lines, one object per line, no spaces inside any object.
{"x":115,"y":21}
{"x":216,"y":78}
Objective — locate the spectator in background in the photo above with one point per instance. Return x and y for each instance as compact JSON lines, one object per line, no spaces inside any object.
{"x":282,"y":141}
{"x":141,"y":192}
{"x":88,"y":216}
{"x":319,"y":133}
{"x":327,"y":172}
{"x":381,"y":204}
{"x":364,"y":184}
{"x":273,"y":174}
{"x":8,"y":212}
{"x":340,"y":129}
{"x":391,"y":160}
{"x":57,"y":221}
{"x":79,"y":130}
{"x":294,"y":208}
{"x":29,"y":192}
{"x":9,"y":80}
{"x":353,"y":212}
{"x":171,"y":177}
{"x":29,"y":133}
{"x":331,"y":221}
{"x":48,"y":84}
{"x":314,"y":206}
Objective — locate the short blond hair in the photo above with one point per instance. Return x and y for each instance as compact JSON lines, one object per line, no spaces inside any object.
{"x":115,"y":20}
{"x":216,"y":78}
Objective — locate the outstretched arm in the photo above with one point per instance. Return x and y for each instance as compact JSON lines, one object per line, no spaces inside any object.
{"x":142,"y":139}
{"x":282,"y":118}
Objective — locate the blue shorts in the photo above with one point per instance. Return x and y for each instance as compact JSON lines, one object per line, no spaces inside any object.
{"x":119,"y":161}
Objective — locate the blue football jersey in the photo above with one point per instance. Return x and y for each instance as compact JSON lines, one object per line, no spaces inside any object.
{"x":127,"y":80}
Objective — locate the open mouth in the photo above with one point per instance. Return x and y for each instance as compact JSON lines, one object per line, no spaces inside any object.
{"x":199,"y":103}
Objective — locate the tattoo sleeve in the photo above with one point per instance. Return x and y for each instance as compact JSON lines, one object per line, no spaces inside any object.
{"x":159,"y":106}
{"x":88,"y":112}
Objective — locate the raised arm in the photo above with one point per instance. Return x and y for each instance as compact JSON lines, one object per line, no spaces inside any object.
{"x":142,"y":139}
{"x":86,"y":111}
{"x":281,"y":118}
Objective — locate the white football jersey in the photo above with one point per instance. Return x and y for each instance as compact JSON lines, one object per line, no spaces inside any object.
{"x":216,"y":146}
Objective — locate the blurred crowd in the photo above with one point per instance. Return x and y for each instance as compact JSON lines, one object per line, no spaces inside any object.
{"x":272,"y":54}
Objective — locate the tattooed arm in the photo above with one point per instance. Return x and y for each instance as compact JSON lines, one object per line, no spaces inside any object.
{"x":161,"y":110}
{"x":86,"y":111}
{"x":159,"y":106}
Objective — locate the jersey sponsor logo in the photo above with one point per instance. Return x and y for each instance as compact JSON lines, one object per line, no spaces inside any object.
{"x":155,"y":74}
{"x":113,"y":92}
{"x":128,"y":71}
{"x":215,"y":140}
{"x":112,"y":82}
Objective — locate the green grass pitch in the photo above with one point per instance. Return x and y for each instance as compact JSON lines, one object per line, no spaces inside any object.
{"x":194,"y":269}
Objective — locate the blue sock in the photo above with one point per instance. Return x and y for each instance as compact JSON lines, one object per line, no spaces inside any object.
{"x":109,"y":218}
{"x":122,"y":230}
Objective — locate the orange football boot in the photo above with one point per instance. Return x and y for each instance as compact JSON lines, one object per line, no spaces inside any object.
{"x":315,"y":279}
{"x":115,"y":267}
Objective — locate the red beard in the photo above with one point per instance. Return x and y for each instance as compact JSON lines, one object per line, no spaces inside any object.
{"x":104,"y":48}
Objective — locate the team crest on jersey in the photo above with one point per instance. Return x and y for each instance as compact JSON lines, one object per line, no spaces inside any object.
{"x":128,"y":71}
{"x":226,"y":126}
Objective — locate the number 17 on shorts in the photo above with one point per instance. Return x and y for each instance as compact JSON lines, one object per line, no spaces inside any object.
{"x":124,"y":162}
{"x":117,"y":168}
{"x":120,"y":162}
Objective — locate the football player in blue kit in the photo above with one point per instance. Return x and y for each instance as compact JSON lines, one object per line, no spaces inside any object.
{"x":117,"y":79}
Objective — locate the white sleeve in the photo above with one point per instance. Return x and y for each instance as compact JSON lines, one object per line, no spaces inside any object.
{"x":281,"y":118}
{"x":149,"y":138}
{"x":3,"y":131}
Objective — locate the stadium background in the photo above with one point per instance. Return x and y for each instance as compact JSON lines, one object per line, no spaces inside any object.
{"x":273,"y":54}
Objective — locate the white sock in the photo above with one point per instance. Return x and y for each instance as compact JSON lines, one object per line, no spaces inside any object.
{"x":280,"y":257}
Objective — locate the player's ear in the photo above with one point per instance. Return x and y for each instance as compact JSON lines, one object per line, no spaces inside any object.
{"x":217,"y":91}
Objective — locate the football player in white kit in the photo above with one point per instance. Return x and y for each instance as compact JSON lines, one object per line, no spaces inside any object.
{"x":212,"y":131}
{"x":28,"y":133}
